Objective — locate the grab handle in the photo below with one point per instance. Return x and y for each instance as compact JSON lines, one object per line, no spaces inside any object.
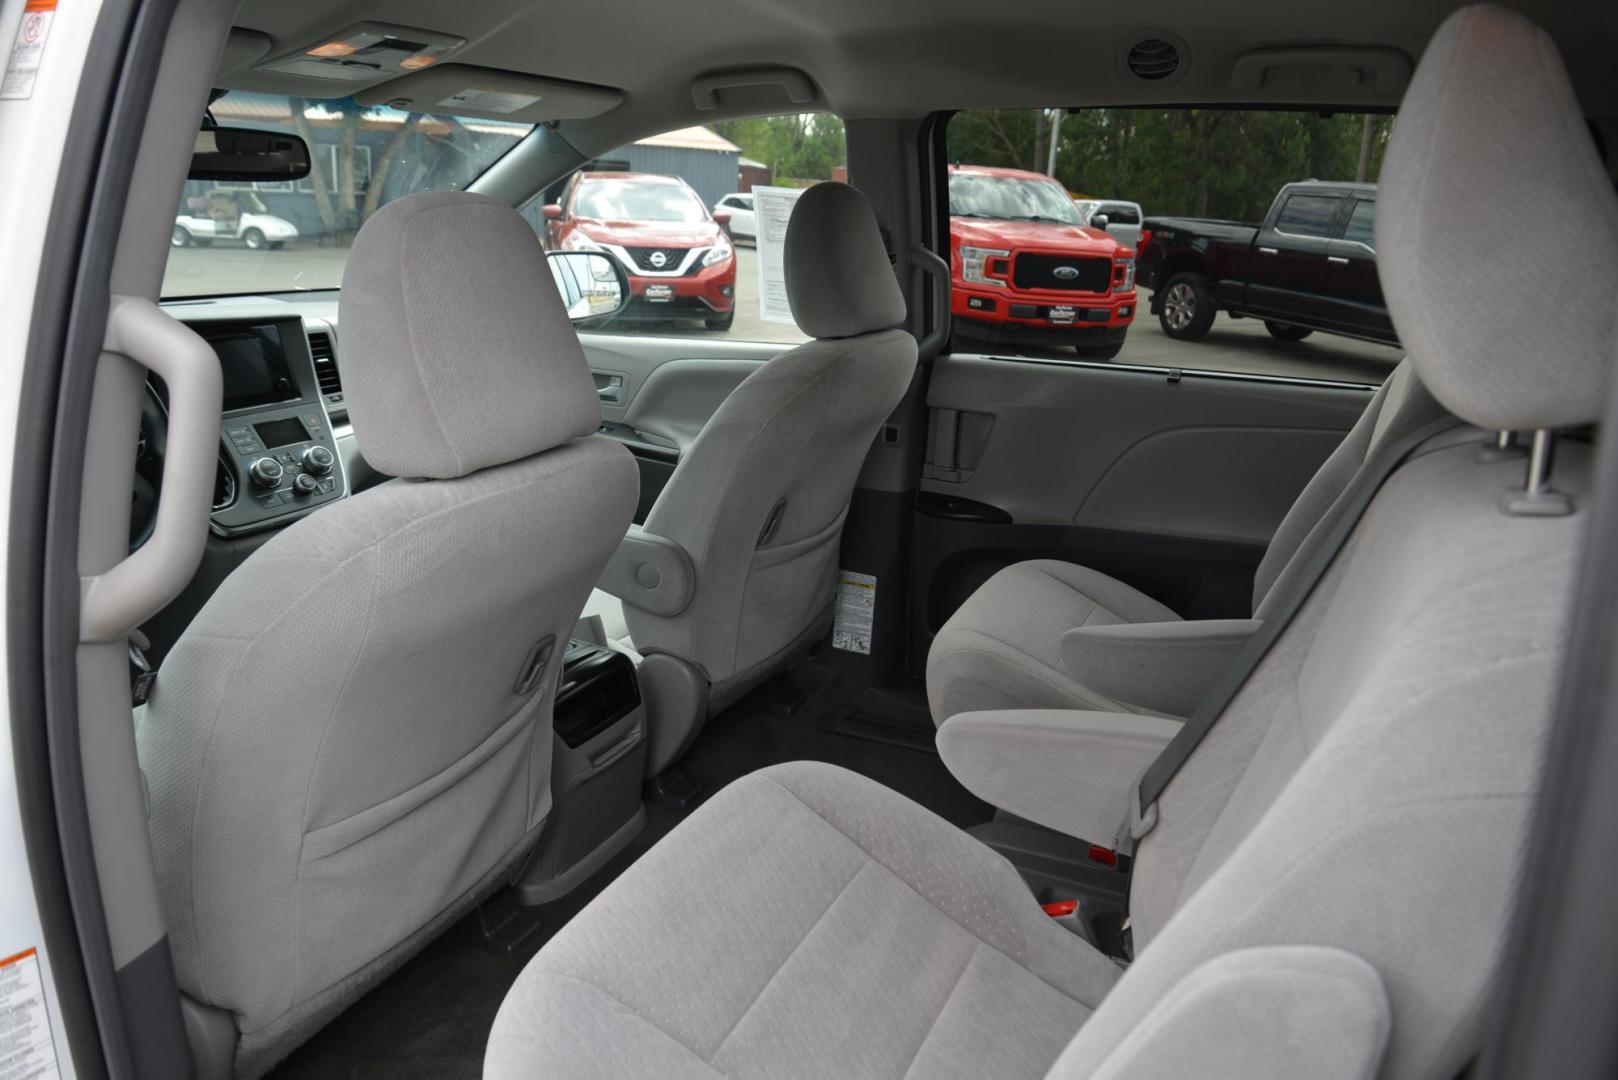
{"x":116,"y":601}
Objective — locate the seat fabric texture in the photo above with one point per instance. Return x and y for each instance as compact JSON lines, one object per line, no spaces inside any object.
{"x":714,"y":954}
{"x":338,"y":756}
{"x":1351,"y":829}
{"x":1002,"y":648}
{"x":787,"y":445}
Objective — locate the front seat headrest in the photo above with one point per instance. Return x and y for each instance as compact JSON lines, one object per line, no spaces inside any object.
{"x":839,"y":280}
{"x":457,"y":353}
{"x":1497,"y":229}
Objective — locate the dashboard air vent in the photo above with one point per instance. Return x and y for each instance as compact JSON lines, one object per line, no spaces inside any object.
{"x":325,"y":363}
{"x":224,"y":485}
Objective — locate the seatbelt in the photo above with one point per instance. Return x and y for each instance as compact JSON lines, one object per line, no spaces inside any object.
{"x":1143,"y":803}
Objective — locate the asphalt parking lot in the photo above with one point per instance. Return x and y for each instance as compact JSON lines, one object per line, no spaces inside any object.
{"x":1239,"y":345}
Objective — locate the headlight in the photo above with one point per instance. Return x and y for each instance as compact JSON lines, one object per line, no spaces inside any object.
{"x":1127,"y":281}
{"x":975,"y":264}
{"x":577,"y":241}
{"x":718,"y":253}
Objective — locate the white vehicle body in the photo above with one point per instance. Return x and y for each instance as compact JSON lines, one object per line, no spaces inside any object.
{"x":1123,"y":218}
{"x":742,"y":220}
{"x":255,"y":229}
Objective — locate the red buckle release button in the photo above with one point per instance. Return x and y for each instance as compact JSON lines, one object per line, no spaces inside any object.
{"x":1057,"y":909}
{"x":1104,"y":856}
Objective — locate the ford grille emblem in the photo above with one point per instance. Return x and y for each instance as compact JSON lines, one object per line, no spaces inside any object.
{"x":1066,"y":273}
{"x":659,"y":259}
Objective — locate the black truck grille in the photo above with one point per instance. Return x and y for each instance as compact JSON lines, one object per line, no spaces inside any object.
{"x":1035,"y":271}
{"x":646,"y":258}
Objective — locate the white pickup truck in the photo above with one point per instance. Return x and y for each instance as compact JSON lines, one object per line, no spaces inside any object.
{"x":230,"y":215}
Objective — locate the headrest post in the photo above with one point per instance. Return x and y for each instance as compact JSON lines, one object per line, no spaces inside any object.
{"x":1504,"y":445}
{"x":1537,"y":498}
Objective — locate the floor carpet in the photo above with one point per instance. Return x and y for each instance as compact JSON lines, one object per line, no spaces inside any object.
{"x":432,"y":1017}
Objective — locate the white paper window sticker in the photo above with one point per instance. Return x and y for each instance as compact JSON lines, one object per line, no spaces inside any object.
{"x":772,"y":209}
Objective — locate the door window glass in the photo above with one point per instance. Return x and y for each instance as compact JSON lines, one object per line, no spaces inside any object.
{"x":1362,"y":224}
{"x":1308,"y":215}
{"x":677,"y":212}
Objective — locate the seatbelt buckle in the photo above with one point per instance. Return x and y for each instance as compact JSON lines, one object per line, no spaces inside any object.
{"x":1137,"y":825}
{"x":140,"y":686}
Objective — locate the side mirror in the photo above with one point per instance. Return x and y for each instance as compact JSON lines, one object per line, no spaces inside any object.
{"x":1099,"y":221}
{"x":247,"y":154}
{"x":592,"y":285}
{"x":721,"y":218}
{"x":553,"y":212}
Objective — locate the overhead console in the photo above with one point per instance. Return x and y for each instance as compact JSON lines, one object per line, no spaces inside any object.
{"x":279,"y":457}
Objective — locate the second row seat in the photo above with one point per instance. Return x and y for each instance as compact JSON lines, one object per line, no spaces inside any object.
{"x":1048,"y":634}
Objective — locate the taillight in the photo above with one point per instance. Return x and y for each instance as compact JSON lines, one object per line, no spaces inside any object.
{"x":1145,"y":238}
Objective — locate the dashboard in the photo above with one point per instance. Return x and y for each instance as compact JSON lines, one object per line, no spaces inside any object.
{"x":286,"y":447}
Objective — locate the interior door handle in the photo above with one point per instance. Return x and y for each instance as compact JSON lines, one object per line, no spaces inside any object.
{"x":1338,"y":259}
{"x":1269,"y":251}
{"x":115,"y":602}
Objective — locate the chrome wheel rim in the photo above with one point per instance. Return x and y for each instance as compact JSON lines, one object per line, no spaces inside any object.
{"x":1180,"y":306}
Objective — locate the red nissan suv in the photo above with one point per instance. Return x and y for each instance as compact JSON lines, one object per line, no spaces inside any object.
{"x":679,"y":261}
{"x":1026,"y":268}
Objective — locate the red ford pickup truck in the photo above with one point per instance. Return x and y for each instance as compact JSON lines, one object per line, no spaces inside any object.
{"x":1025,"y":268}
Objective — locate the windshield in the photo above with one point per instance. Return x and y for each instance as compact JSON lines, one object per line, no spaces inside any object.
{"x":285,"y":235}
{"x":637,"y":200}
{"x":1011,"y":199}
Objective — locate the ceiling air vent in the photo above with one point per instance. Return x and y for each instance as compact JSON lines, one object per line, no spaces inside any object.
{"x":1154,"y":57}
{"x":325,"y":363}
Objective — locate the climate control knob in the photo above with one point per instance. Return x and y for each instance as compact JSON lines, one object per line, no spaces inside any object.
{"x":265,"y":472}
{"x":304,"y":484}
{"x":318,"y":460}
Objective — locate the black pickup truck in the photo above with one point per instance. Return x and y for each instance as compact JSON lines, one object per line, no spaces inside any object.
{"x":1310,"y":266}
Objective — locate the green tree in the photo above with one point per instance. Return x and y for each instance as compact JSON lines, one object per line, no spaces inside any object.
{"x":800,"y":146}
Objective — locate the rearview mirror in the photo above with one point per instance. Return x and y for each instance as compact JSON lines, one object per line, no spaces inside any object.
{"x":223,"y":153}
{"x":592,"y":285}
{"x":1098,"y":221}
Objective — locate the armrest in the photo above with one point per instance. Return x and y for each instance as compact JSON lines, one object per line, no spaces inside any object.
{"x":1068,"y":770}
{"x":1165,"y":666}
{"x":651,"y":573}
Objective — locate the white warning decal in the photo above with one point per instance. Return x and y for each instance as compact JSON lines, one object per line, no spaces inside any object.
{"x":855,"y":613}
{"x":26,"y":1049}
{"x":22,"y":67}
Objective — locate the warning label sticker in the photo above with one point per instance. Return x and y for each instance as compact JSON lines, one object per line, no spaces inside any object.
{"x":26,"y":1049}
{"x":855,"y":612}
{"x":495,"y":101}
{"x":22,"y":67}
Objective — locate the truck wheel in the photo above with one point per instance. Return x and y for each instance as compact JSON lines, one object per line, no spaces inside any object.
{"x":1098,"y":352}
{"x":181,"y":237}
{"x":1283,"y":331}
{"x":1188,"y":311}
{"x":253,"y":239}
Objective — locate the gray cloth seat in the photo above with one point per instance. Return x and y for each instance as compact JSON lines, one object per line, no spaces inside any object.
{"x":342,"y":751}
{"x":732,"y":574}
{"x":1327,"y":887}
{"x":1003,"y":648}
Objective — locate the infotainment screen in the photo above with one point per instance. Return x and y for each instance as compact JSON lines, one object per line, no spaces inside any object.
{"x":281,"y":432}
{"x":254,"y":364}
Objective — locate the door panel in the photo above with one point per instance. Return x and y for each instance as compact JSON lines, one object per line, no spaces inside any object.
{"x":1172,"y":482}
{"x":658,"y":392}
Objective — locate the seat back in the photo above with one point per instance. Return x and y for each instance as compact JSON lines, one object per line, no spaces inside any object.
{"x":758,"y":500}
{"x":351,"y":743}
{"x":1400,"y":407}
{"x":1369,"y":791}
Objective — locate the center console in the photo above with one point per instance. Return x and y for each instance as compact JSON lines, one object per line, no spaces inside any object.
{"x":278,"y":456}
{"x":598,"y":767}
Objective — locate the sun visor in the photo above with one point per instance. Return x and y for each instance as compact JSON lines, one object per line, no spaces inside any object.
{"x":460,"y":90}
